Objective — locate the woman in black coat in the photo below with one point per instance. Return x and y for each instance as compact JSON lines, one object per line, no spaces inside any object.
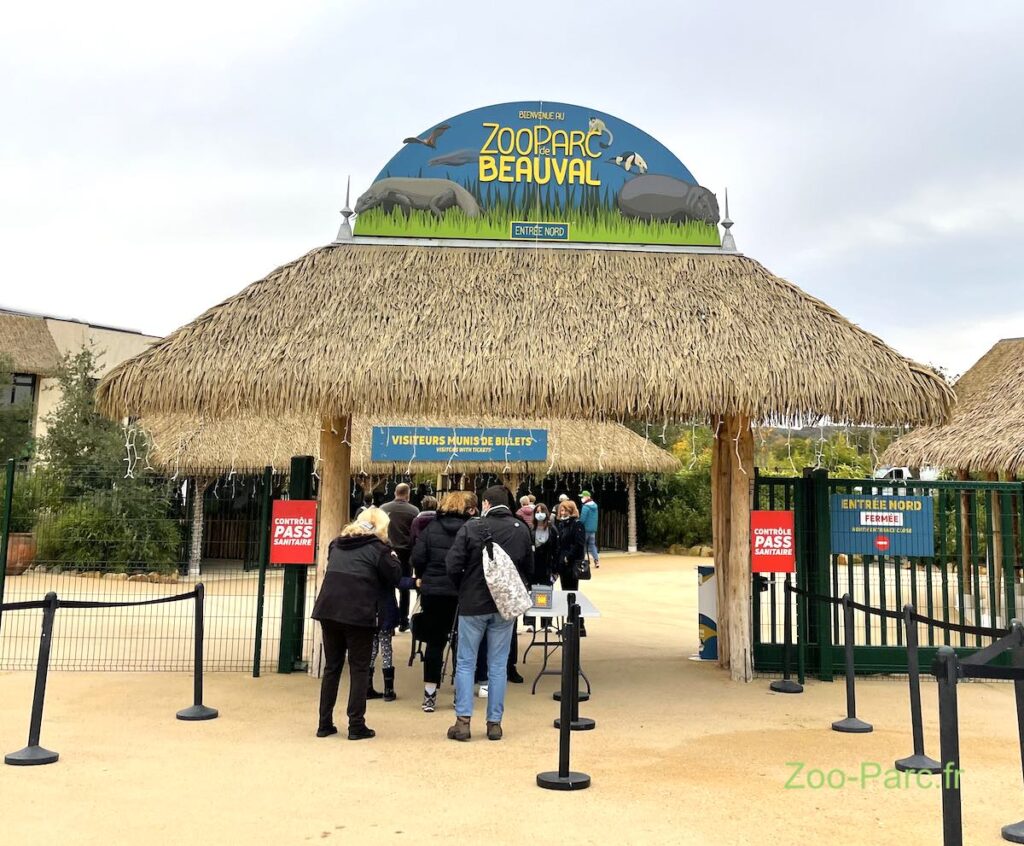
{"x":572,"y":548}
{"x":545,"y":555}
{"x":439,"y":598}
{"x":362,"y":574}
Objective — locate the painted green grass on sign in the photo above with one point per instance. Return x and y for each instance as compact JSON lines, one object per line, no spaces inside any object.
{"x":600,"y":225}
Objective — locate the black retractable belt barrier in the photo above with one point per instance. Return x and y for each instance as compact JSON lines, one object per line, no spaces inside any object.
{"x":34,"y":754}
{"x":946,"y":670}
{"x":786,"y":684}
{"x":918,"y":762}
{"x":576,"y":722}
{"x":564,"y":778}
{"x":197,"y":710}
{"x":1015,"y":831}
{"x":850,"y":725}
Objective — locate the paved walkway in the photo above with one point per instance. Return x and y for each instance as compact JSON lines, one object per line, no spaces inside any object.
{"x":680,"y":754}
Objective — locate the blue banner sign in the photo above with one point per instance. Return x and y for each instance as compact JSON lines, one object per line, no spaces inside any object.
{"x":433,"y":444}
{"x":864,"y":524}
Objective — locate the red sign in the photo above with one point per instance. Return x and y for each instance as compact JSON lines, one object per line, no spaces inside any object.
{"x":293,"y":532}
{"x":772,"y":542}
{"x":882,"y":543}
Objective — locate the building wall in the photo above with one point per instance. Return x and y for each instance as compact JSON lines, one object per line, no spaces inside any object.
{"x":70,"y":336}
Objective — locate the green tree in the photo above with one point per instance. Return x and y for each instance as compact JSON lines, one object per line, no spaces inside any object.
{"x":15,"y":420}
{"x":77,"y":436}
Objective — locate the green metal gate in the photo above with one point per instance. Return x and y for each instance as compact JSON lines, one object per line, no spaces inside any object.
{"x":976,"y":576}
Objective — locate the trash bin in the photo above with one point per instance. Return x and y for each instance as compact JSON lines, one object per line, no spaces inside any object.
{"x":707,"y":613}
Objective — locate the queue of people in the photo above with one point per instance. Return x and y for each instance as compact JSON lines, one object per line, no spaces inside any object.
{"x":439,"y":552}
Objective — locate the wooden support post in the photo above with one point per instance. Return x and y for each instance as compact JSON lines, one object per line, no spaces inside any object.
{"x":741,"y":459}
{"x":720,"y":530}
{"x":631,"y":541}
{"x":965,"y":537}
{"x":335,"y":493}
{"x":195,"y":555}
{"x":995,"y":513}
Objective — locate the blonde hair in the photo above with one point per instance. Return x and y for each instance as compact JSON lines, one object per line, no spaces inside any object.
{"x":569,"y":508}
{"x":457,"y":502}
{"x":373,"y":521}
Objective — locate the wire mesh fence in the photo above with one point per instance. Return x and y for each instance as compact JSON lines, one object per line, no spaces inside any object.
{"x":95,"y":535}
{"x":970,"y":571}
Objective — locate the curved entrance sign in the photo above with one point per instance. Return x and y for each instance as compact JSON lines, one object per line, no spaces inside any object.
{"x":538,"y":171}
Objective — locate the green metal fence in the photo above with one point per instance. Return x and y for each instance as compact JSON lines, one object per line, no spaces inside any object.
{"x":975,"y":577}
{"x":93,"y":534}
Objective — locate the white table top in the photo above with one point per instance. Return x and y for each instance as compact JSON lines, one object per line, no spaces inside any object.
{"x":560,"y":605}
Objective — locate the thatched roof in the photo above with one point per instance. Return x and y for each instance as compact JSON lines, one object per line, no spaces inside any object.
{"x":986,"y":430}
{"x":189,"y":446}
{"x":399,"y":329}
{"x":27,"y":341}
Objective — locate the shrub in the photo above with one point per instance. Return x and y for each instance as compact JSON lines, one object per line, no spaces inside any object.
{"x":680,"y":511}
{"x":126,"y":528}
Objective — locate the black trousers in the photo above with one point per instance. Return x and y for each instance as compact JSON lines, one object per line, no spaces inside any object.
{"x":438,"y":618}
{"x":403,"y":595}
{"x":356,"y":641}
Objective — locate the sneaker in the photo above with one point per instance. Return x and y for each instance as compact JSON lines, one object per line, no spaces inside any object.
{"x":326,"y":732}
{"x":494,"y":731}
{"x":360,"y":733}
{"x":482,"y":692}
{"x":429,"y":702}
{"x":514,"y":677}
{"x":403,"y":626}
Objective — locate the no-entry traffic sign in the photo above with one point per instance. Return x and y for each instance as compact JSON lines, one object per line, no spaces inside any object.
{"x":882,"y":543}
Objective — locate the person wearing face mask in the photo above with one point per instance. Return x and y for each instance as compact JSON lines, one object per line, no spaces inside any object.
{"x":545,"y":550}
{"x":571,"y":550}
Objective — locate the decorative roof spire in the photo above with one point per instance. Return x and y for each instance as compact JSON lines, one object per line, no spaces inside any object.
{"x":728,"y":242}
{"x":345,"y":231}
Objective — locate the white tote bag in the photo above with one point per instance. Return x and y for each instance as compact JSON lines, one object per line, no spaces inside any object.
{"x":504,"y":582}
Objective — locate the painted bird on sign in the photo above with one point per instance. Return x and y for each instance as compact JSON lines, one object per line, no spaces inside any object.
{"x":431,"y":139}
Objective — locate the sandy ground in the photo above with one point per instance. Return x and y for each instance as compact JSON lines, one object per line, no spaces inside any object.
{"x":680,"y":754}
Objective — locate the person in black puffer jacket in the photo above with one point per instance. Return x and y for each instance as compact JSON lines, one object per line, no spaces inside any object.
{"x":362,"y":574}
{"x":478,"y":615}
{"x":439,"y":598}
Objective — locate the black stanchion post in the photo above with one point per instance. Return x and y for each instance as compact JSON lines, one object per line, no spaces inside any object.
{"x":1015,"y":831}
{"x":946,"y":671}
{"x":198,"y":711}
{"x":851,"y":725}
{"x":564,"y":778}
{"x":576,"y":722}
{"x":786,"y":684}
{"x":34,"y":754}
{"x":918,"y":762}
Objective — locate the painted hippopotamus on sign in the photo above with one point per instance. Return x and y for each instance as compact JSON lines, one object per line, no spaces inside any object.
{"x":408,"y":193}
{"x":654,"y":197}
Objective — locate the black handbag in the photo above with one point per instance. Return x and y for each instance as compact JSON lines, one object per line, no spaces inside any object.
{"x":582,"y":569}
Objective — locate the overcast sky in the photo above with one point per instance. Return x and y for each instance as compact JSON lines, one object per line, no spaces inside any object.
{"x":157,"y":158}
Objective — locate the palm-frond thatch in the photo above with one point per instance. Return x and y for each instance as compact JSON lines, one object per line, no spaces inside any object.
{"x":438,"y":330}
{"x":185,"y":445}
{"x":986,"y":431}
{"x":27,"y":342}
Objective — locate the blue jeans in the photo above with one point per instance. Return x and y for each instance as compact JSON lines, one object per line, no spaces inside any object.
{"x":592,"y":546}
{"x":499,"y":637}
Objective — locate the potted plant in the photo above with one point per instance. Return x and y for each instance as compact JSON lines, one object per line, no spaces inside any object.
{"x":21,"y":544}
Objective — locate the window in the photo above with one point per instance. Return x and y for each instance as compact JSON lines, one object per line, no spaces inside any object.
{"x":21,"y":390}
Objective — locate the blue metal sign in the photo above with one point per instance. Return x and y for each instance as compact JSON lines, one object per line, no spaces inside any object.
{"x":433,"y":444}
{"x":865,"y":524}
